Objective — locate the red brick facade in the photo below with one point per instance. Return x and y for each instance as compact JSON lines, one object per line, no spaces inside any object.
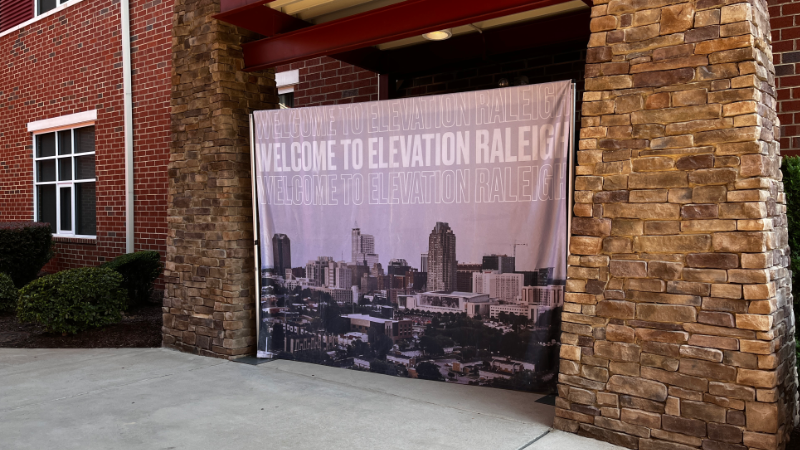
{"x":327,"y":81}
{"x":69,"y":62}
{"x":785,"y":21}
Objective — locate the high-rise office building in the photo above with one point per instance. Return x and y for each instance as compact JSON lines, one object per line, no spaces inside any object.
{"x":464,"y":276}
{"x":344,"y":276}
{"x":329,"y":274}
{"x":423,"y":262}
{"x":281,"y":254}
{"x":363,"y":248}
{"x":315,"y":270}
{"x":502,"y":286}
{"x":397,"y":267}
{"x":420,"y":281}
{"x":549,"y":296}
{"x":545,"y":277}
{"x":500,"y":263}
{"x":299,"y":272}
{"x":442,"y":258}
{"x":368,"y":284}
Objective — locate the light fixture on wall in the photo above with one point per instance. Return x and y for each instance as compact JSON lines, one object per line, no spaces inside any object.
{"x":438,"y":35}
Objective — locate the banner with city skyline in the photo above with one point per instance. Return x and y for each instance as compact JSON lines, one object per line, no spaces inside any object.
{"x":422,"y":237}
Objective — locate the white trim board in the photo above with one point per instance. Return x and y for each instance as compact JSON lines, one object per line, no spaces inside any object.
{"x":70,"y":120}
{"x":288,"y":78}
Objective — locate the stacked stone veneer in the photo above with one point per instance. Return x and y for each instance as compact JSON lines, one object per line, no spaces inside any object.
{"x":677,"y":326}
{"x":209,"y":299}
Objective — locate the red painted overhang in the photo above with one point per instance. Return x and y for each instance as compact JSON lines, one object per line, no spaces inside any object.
{"x":255,"y":16}
{"x":292,"y":40}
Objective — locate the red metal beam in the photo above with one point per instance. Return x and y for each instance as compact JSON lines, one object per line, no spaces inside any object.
{"x":254,"y":15}
{"x":226,"y":6}
{"x":390,"y":23}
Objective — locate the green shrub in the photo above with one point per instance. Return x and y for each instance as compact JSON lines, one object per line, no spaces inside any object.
{"x":73,"y":300}
{"x":8,"y":293}
{"x":139,"y":271}
{"x":25,"y":247}
{"x":791,"y":186}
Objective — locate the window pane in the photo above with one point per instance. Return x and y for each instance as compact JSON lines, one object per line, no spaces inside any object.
{"x":46,"y":145}
{"x":46,"y":208}
{"x":84,"y":167}
{"x":64,"y":169}
{"x":84,"y":140}
{"x":286,"y":100}
{"x":85,"y":209}
{"x":46,"y":170}
{"x":65,"y":203}
{"x":46,"y":5}
{"x":65,"y":142}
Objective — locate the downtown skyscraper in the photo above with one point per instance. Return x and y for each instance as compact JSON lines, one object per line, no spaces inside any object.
{"x":442,"y":264}
{"x":281,"y":254}
{"x":500,"y":263}
{"x":363,"y":251}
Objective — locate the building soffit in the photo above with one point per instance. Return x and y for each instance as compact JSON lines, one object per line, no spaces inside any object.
{"x":360,"y":32}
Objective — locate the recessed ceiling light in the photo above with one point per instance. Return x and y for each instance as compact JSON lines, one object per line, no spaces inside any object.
{"x":438,"y":35}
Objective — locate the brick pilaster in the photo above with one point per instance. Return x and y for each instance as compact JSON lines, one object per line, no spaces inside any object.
{"x":208,"y":305}
{"x":677,"y":324}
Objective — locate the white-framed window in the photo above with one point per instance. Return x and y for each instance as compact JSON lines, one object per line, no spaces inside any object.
{"x":286,"y":82}
{"x":43,"y":6}
{"x":65,"y":188}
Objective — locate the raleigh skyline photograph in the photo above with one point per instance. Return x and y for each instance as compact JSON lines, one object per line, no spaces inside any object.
{"x":486,"y":323}
{"x":534,"y":233}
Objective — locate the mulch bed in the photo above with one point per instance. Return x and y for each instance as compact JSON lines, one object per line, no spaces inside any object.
{"x":140,"y":327}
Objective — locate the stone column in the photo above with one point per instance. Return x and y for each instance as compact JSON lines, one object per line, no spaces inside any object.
{"x":677,"y":325}
{"x":209,"y":298}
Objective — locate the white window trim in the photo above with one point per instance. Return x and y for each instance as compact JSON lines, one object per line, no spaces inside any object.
{"x":59,"y":184}
{"x":77,"y":120}
{"x":286,"y":81}
{"x":36,"y":17}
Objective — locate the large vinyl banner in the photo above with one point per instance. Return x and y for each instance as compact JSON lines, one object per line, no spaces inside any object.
{"x":422,"y":237}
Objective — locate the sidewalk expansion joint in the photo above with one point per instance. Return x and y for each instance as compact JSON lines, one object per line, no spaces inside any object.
{"x":529,"y":444}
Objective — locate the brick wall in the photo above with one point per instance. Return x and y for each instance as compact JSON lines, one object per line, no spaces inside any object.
{"x":327,"y":81}
{"x":151,"y":59}
{"x":785,"y":21}
{"x":71,"y":62}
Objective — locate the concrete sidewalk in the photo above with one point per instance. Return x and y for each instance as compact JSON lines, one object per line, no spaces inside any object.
{"x":161,"y":399}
